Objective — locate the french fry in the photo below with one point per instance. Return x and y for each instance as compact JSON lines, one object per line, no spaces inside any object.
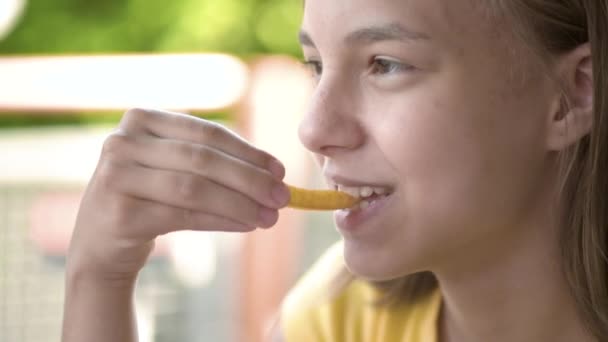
{"x":320,"y":199}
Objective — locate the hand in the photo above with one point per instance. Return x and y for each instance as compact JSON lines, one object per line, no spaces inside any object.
{"x":161,"y":172}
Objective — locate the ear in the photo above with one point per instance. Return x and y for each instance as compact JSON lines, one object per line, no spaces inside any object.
{"x":572,"y":117}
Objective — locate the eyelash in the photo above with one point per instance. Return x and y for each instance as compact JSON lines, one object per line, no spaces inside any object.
{"x":379,"y":66}
{"x":384,"y":66}
{"x":315,"y":67}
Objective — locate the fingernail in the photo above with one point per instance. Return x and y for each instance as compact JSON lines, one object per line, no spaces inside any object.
{"x":281,"y":195}
{"x":277,"y":169}
{"x":267,"y":217}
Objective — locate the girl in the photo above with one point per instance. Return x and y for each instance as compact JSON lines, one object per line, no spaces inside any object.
{"x":480,"y":127}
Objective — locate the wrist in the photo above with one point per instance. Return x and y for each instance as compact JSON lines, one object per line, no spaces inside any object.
{"x":108,"y":267}
{"x":90,"y":276}
{"x":98,"y":307}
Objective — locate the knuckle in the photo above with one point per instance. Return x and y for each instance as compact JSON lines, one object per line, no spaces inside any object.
{"x":108,"y":175}
{"x":112,"y":177}
{"x":115,"y":145}
{"x":262,"y":189}
{"x":187,"y":187}
{"x":135,"y":114}
{"x":264,"y":158}
{"x":268,"y":219}
{"x":134,"y":118}
{"x":201,"y":157}
{"x":250,"y":213}
{"x":258,"y":190}
{"x":212,"y":131}
{"x":239,"y":208}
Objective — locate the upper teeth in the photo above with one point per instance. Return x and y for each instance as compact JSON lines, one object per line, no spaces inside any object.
{"x":365,"y":191}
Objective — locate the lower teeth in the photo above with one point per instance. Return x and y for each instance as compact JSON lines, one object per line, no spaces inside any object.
{"x":364,"y":204}
{"x":360,"y":206}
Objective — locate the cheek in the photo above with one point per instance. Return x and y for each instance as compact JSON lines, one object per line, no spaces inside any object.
{"x":460,"y":165}
{"x":437,"y":159}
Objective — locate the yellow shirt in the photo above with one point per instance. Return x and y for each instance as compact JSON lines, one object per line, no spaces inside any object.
{"x":309,"y":314}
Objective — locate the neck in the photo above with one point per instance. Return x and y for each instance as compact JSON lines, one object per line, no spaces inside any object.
{"x":514,"y":290}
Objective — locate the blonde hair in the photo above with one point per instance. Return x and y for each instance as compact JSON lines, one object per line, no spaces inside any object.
{"x":554,"y":27}
{"x":557,"y":27}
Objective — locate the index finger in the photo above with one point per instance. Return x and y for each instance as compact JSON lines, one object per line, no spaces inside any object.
{"x":178,"y":126}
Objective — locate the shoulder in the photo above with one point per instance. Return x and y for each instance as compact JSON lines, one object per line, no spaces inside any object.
{"x":328,"y":305}
{"x":310,"y":305}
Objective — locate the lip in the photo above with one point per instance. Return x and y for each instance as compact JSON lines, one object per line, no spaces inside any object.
{"x":359,"y":221}
{"x":334,"y":180}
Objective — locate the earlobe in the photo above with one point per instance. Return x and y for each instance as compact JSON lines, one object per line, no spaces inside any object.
{"x":569,"y":128}
{"x":572,"y":118}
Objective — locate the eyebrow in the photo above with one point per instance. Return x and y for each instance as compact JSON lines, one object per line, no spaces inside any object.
{"x":374,"y":34}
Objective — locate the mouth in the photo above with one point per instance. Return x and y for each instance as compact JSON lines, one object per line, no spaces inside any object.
{"x":367,"y":194}
{"x":374,"y":202}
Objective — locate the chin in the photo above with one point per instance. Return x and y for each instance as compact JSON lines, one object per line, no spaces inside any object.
{"x":374,"y":264}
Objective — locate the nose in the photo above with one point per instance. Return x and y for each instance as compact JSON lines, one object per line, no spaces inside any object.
{"x":331,"y":125}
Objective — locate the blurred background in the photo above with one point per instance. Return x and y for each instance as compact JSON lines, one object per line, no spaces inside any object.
{"x":68,"y":70}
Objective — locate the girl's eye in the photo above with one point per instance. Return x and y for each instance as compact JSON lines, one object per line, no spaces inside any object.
{"x":315,"y":67}
{"x":381,"y":66}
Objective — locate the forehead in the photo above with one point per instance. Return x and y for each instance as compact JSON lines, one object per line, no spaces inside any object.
{"x":445,"y":21}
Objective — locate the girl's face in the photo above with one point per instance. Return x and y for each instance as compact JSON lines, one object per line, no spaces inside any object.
{"x":427,"y":99}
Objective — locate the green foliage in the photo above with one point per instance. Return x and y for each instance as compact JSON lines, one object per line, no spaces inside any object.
{"x":239,"y":27}
{"x":16,"y":120}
